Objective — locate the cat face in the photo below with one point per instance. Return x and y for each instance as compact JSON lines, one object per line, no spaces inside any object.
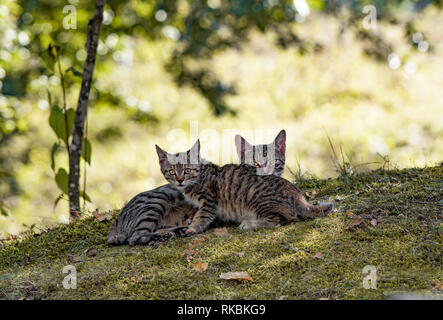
{"x":267,"y":158}
{"x":180,"y":169}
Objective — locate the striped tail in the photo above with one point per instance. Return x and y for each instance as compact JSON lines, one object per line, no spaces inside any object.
{"x":135,"y":226}
{"x":115,"y":238}
{"x":143,"y":216}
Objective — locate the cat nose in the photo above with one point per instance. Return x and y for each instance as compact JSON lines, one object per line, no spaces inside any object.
{"x":180,"y":179}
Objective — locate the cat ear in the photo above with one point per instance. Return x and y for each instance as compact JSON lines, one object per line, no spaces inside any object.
{"x":242,"y":146}
{"x":194,"y":153}
{"x":162,"y":155}
{"x":280,"y":142}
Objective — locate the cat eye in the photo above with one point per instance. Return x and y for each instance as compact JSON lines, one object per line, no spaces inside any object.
{"x":187,"y":170}
{"x":171,"y":172}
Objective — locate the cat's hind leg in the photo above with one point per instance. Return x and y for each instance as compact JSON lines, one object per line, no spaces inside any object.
{"x":309,"y":211}
{"x":140,"y":237}
{"x":145,"y":236}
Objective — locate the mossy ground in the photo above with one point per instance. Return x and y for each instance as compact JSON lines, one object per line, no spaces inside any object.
{"x":405,"y":246}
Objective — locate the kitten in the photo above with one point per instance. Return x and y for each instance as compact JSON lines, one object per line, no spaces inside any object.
{"x":234,"y":193}
{"x":151,"y":215}
{"x":267,"y":158}
{"x":157,"y":213}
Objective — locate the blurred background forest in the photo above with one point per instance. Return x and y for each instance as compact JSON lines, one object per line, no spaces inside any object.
{"x":316,"y":68}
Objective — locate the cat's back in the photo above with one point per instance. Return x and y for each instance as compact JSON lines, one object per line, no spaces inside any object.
{"x":240,"y":190}
{"x":168,"y":193}
{"x":240,"y":178}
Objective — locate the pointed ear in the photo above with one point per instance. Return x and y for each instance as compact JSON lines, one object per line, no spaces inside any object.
{"x":241,"y":145}
{"x":194,"y":153}
{"x":162,"y":155}
{"x":280,"y":142}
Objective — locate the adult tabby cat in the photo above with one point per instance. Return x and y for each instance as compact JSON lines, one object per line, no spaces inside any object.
{"x":159,"y":212}
{"x":234,"y":193}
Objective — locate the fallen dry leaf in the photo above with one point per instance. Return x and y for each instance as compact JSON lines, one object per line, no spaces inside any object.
{"x":438,"y":287}
{"x":189,"y":253}
{"x":102,"y":216}
{"x":374,"y":222}
{"x":239,"y":275}
{"x":195,"y":243}
{"x":221,"y":232}
{"x":76,"y":214}
{"x":311,"y":194}
{"x":319,"y":255}
{"x":91,"y":252}
{"x":200,"y":266}
{"x":31,"y":291}
{"x":129,"y":252}
{"x":355,"y":222}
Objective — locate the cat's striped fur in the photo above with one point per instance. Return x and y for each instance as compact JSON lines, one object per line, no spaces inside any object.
{"x":151,"y":215}
{"x":235,"y":193}
{"x":159,"y":213}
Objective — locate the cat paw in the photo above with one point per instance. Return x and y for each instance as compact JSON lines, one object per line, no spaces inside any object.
{"x":326,"y":207}
{"x":144,"y":240}
{"x":140,"y":239}
{"x":162,"y":235}
{"x":248,"y":225}
{"x":184,"y":231}
{"x":190,"y":231}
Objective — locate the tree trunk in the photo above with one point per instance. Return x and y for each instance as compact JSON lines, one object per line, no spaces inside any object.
{"x":92,"y":36}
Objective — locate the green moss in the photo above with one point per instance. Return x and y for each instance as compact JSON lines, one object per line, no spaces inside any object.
{"x":405,"y":246}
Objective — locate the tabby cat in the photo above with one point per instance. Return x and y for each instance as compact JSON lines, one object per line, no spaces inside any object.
{"x":234,"y":193}
{"x":267,"y":158}
{"x":157,"y":213}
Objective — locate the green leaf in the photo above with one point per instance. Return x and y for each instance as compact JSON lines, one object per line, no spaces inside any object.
{"x":74,"y":71}
{"x":71,"y":119}
{"x":3,"y":211}
{"x":53,"y":151}
{"x":316,"y":4}
{"x":48,"y":60}
{"x":62,"y":180}
{"x":85,"y":196}
{"x":86,"y":151}
{"x":49,"y":97}
{"x":58,"y":199}
{"x":57,"y":122}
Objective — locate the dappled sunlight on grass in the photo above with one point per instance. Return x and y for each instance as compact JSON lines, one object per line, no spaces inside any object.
{"x":404,"y":246}
{"x":365,"y":107}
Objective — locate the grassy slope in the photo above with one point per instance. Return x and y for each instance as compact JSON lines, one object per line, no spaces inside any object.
{"x":406,"y":247}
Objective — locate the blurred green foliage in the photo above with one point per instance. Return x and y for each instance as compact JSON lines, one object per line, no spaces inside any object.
{"x":200,"y":28}
{"x":197,"y":30}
